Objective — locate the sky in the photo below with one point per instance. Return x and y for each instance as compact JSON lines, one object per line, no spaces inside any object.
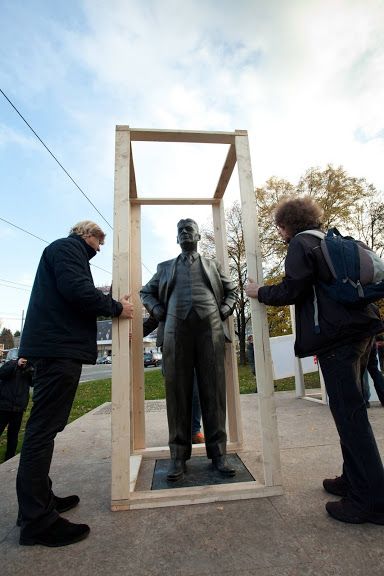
{"x":305,"y":78}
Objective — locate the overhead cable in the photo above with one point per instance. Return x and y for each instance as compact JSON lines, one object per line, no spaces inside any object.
{"x":54,"y":157}
{"x":42,"y":239}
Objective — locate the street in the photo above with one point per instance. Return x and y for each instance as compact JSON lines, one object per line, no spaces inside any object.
{"x":100,"y":371}
{"x":96,"y":372}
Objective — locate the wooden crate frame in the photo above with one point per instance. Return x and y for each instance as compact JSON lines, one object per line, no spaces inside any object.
{"x":128,"y":412}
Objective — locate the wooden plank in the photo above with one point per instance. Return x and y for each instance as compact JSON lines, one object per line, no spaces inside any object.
{"x":174,"y":201}
{"x":196,"y":495}
{"x":135,"y":463}
{"x":231,"y":374}
{"x":263,"y":358}
{"x":138,"y":390}
{"x":121,"y":328}
{"x":226,"y":173}
{"x":132,"y":177}
{"x":189,"y":136}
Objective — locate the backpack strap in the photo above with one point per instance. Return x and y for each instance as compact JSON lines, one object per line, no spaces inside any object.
{"x":317,"y":233}
{"x":321,"y":235}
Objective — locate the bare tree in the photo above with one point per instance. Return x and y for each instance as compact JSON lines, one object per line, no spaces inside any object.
{"x":237,"y":267}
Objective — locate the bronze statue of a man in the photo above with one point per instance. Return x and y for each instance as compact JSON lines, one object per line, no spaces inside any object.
{"x":191,"y":297}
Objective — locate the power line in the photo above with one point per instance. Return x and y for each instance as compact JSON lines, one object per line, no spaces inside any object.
{"x":22,"y":229}
{"x":69,"y":176}
{"x":54,"y":157}
{"x":15,"y":287}
{"x":42,"y":239}
{"x":12,"y":282}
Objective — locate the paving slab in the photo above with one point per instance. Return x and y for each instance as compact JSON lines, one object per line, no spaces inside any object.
{"x":288,"y":535}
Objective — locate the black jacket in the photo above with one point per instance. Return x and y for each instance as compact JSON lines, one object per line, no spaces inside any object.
{"x":64,"y":304}
{"x":304,"y":267}
{"x":15,"y":382}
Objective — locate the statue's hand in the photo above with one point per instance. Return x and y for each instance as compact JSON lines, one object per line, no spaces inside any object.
{"x":225,"y":311}
{"x":158,"y":312}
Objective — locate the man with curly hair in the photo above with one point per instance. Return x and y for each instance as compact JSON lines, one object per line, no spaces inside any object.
{"x":342,"y":347}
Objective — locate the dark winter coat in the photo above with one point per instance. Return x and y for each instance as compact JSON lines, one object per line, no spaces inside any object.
{"x":15,"y":382}
{"x":304,"y":266}
{"x":64,"y":304}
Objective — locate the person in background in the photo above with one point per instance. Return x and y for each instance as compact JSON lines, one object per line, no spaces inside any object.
{"x":342,"y":345}
{"x":251,"y":353}
{"x":376,"y":375}
{"x":59,"y":336}
{"x":15,"y":382}
{"x":149,"y":325}
{"x":380,"y":350}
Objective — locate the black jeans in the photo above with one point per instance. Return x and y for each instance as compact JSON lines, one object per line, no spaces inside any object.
{"x":13,"y":421}
{"x":55,"y":385}
{"x":362,"y":466}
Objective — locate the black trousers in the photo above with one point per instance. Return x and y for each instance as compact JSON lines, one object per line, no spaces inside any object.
{"x":13,"y":421}
{"x":55,"y":385}
{"x":195,"y":345}
{"x":362,"y":465}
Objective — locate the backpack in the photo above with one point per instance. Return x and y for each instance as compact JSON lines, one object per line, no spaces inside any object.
{"x":357,"y":271}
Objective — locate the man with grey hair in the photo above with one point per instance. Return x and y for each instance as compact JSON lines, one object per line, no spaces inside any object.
{"x":190,"y":296}
{"x":59,"y":336}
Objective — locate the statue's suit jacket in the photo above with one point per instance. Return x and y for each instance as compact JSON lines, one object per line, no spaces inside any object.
{"x":159,"y":288}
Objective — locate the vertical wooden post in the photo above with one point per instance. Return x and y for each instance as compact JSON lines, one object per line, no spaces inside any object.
{"x":263,"y":359}
{"x":121,"y":328}
{"x":138,"y":390}
{"x":231,"y":374}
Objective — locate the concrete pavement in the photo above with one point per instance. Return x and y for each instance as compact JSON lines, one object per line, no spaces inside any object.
{"x":288,"y":535}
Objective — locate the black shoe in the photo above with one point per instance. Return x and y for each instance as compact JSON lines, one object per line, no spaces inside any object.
{"x":337,"y":486}
{"x":66,"y":503}
{"x":61,"y":505}
{"x":346,"y":510}
{"x":221,"y":465}
{"x":60,"y":533}
{"x":176,"y":470}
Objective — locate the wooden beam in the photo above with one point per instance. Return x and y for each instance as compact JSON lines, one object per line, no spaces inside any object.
{"x":137,"y":380}
{"x":226,"y":173}
{"x":121,"y":365}
{"x":175,"y":201}
{"x":263,"y":358}
{"x":132,"y":177}
{"x":196,"y":495}
{"x":189,"y":136}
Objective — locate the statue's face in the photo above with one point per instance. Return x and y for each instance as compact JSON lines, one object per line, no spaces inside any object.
{"x":187,"y":234}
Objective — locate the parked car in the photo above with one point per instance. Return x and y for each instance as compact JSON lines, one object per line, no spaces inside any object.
{"x":151,"y":360}
{"x":12,"y":354}
{"x":104,"y":360}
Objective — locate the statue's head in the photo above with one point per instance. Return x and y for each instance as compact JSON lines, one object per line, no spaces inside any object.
{"x":188,"y":234}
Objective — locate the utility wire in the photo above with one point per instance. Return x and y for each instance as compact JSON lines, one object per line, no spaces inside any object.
{"x":42,"y":239}
{"x":12,"y":282}
{"x":54,"y":157}
{"x":15,"y":287}
{"x":69,"y":176}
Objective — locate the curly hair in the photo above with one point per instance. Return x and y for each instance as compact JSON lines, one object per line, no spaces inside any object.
{"x":296,"y":214}
{"x":88,"y":228}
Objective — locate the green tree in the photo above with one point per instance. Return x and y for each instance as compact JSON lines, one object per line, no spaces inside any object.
{"x":340,"y":195}
{"x":6,"y":338}
{"x":17,"y":333}
{"x":348,"y":203}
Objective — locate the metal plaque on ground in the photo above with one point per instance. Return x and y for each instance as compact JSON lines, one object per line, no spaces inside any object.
{"x":200,"y":472}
